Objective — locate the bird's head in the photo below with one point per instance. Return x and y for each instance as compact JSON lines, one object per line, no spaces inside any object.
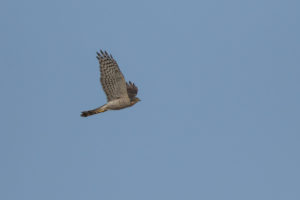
{"x":134,"y":100}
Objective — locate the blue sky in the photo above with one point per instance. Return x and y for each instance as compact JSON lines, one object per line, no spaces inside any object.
{"x":219,"y":116}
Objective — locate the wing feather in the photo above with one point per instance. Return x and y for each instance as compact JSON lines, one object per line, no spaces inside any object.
{"x":132,"y":90}
{"x":112,"y":79}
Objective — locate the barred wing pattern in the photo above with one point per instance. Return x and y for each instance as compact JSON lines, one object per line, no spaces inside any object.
{"x":112,"y":79}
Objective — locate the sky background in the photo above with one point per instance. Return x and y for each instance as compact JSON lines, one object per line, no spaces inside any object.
{"x":219,"y":116}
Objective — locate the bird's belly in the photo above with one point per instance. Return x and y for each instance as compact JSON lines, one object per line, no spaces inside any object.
{"x":118,"y":104}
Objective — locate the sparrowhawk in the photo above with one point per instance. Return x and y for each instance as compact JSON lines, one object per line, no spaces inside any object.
{"x":119,"y":93}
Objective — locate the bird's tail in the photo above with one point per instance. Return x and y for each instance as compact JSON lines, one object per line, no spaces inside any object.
{"x":93,"y":112}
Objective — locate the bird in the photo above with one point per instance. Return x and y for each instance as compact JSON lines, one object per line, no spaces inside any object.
{"x":119,"y":93}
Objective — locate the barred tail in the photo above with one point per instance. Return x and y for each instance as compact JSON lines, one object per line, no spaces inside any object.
{"x":93,"y":112}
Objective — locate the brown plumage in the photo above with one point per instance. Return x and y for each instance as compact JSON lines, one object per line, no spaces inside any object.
{"x":119,"y":93}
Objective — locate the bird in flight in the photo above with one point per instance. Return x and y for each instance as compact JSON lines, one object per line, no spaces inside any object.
{"x":119,"y":93}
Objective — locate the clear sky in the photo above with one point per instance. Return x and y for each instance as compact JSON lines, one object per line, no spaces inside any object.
{"x":219,"y":116}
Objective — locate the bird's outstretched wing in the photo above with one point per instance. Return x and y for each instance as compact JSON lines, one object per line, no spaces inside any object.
{"x":112,"y":79}
{"x":132,"y":90}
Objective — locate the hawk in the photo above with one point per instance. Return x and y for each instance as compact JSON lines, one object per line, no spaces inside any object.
{"x":119,"y":93}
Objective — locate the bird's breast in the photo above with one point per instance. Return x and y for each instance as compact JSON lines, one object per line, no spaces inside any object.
{"x":118,"y":104}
